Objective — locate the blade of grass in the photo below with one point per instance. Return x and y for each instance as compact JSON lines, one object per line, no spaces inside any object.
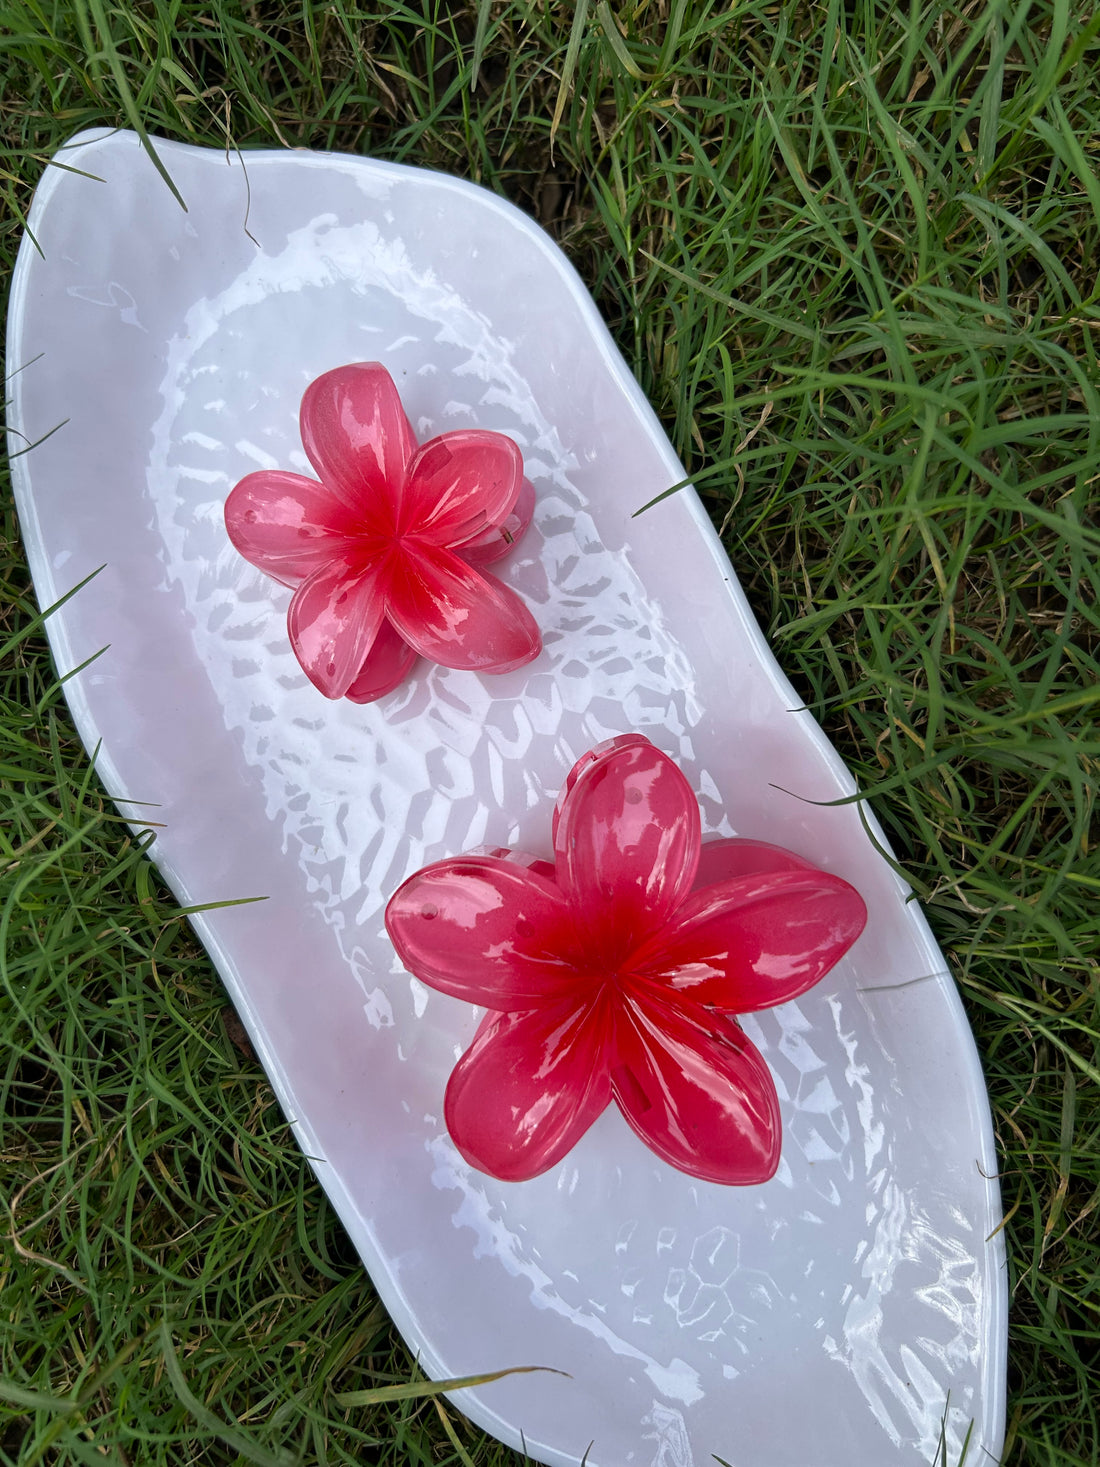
{"x":421,"y":1389}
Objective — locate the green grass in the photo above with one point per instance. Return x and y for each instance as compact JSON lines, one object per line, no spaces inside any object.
{"x":849,"y":250}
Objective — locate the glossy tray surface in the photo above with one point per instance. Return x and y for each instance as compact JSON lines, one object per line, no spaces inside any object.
{"x":824,"y":1317}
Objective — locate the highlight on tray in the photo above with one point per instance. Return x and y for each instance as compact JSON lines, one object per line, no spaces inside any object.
{"x":386,"y":549}
{"x":614,"y":971}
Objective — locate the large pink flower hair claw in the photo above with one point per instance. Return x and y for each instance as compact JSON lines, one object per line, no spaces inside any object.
{"x":384,"y":553}
{"x":614,"y":972}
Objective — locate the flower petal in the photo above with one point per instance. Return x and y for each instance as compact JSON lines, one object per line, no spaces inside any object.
{"x":388,"y":663}
{"x":529,"y":862}
{"x":498,"y":541}
{"x":487,"y":930}
{"x":285,"y":524}
{"x":755,"y":941}
{"x":734,"y":855}
{"x":627,"y":844}
{"x":459,"y":485}
{"x":333,"y":620}
{"x":458,"y":616}
{"x":700,"y":1096}
{"x":356,"y":435}
{"x":528,"y":1088}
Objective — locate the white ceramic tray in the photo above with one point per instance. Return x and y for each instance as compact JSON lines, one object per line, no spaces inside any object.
{"x":834,"y":1316}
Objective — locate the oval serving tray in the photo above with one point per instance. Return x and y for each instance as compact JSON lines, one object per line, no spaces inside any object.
{"x":842,"y":1312}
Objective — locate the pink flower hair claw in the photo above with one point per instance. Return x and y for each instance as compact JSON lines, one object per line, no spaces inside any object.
{"x":613,"y":973}
{"x":385,"y":552}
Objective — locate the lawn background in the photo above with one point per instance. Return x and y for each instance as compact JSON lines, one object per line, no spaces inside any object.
{"x":850,"y":251}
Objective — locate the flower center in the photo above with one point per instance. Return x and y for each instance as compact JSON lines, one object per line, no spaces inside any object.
{"x":369,"y":546}
{"x":612,"y":983}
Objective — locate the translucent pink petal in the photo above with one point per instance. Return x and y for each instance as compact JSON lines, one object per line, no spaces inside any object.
{"x":285,"y":524}
{"x":528,"y":1088}
{"x":538,"y":864}
{"x":495,"y":543}
{"x":356,"y":435}
{"x":627,"y":844}
{"x":730,"y":856}
{"x":755,"y":941}
{"x":458,"y":616}
{"x":333,"y":620}
{"x":592,"y":756}
{"x":701,"y":1097}
{"x":487,"y":930}
{"x":388,"y":663}
{"x":459,"y":485}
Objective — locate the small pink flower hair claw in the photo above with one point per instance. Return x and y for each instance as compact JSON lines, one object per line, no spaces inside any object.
{"x":613,"y":973}
{"x":384,"y":553}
